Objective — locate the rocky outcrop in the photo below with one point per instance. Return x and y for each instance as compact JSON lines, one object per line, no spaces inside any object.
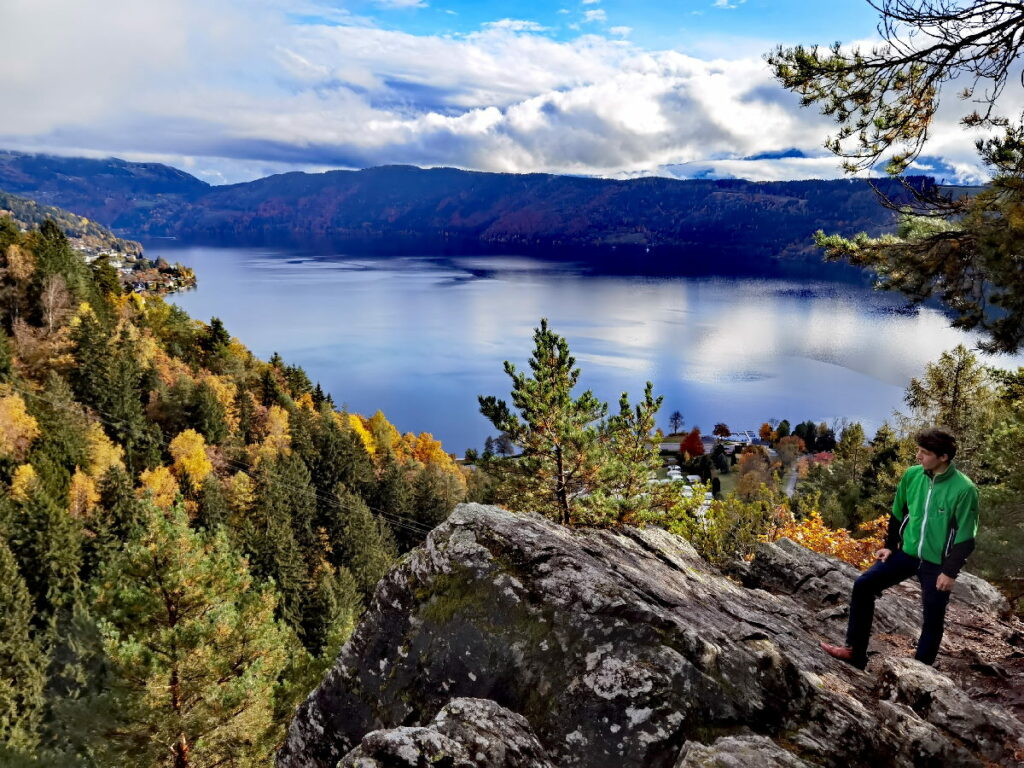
{"x":626,"y":648}
{"x":467,"y":733}
{"x":738,"y":752}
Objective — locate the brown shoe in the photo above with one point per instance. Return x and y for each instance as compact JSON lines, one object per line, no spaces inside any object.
{"x":844,"y":653}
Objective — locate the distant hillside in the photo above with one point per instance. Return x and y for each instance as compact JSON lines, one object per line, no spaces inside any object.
{"x":98,"y":189}
{"x":83,"y":234}
{"x":399,"y":208}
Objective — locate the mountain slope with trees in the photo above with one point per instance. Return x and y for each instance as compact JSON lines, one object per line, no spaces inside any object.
{"x":187,"y":533}
{"x":668,"y":224}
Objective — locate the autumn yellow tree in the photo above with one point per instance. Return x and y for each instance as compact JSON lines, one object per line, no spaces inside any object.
{"x":191,"y":464}
{"x":22,"y":482}
{"x":358,"y":426}
{"x":82,"y":494}
{"x":278,"y":439}
{"x":103,"y":452}
{"x":17,"y":428}
{"x":160,"y":484}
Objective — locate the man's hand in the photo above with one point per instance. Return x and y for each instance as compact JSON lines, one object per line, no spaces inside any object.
{"x":883,"y":554}
{"x":944,"y":583}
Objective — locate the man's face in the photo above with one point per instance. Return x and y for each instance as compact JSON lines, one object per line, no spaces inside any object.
{"x":930,"y":460}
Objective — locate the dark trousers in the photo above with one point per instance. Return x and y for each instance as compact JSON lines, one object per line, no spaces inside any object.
{"x":879,"y":577}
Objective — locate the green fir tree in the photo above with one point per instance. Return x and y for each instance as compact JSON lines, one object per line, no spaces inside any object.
{"x":558,"y":434}
{"x":194,"y":651}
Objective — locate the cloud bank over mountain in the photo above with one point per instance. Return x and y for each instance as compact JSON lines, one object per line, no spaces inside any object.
{"x":231,"y":91}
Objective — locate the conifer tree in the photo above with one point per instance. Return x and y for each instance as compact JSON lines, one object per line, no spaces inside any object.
{"x":963,"y":248}
{"x":22,"y":662}
{"x":1001,"y":536}
{"x":105,"y":277}
{"x":435,"y":494}
{"x":118,"y":500}
{"x":213,"y":505}
{"x":632,"y":455}
{"x":47,"y":542}
{"x":392,"y":496}
{"x":338,"y":457}
{"x":331,"y":606}
{"x":92,"y":351}
{"x":194,"y":651}
{"x":361,"y":542}
{"x":956,"y":392}
{"x":6,"y":358}
{"x":64,"y":428}
{"x":122,"y":405}
{"x":558,"y":435}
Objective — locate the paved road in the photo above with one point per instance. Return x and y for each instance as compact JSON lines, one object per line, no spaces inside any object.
{"x":791,"y":482}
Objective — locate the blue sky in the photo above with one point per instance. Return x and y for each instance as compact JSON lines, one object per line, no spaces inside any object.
{"x":231,"y":90}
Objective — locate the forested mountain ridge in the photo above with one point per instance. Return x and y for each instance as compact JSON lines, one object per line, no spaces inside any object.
{"x":401,"y":207}
{"x":98,"y":189}
{"x":175,"y":516}
{"x":82,"y":233}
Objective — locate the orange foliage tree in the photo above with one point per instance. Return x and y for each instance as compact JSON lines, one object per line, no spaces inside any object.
{"x":812,"y":533}
{"x":692,"y":444}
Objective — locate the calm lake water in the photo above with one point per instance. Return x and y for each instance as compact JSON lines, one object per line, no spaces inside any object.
{"x":420,"y":338}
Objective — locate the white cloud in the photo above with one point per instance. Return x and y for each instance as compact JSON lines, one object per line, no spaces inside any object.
{"x":242,"y":90}
{"x":400,"y":3}
{"x":515,"y":25}
{"x":620,"y":31}
{"x":595,"y":15}
{"x":727,"y":3}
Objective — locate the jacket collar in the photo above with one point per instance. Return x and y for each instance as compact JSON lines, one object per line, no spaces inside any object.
{"x":950,"y":471}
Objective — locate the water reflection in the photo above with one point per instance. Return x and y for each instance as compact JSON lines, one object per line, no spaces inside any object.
{"x":420,"y":338}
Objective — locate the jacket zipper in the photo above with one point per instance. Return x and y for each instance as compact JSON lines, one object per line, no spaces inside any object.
{"x":924,"y":520}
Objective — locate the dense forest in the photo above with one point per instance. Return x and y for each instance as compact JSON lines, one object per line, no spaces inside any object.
{"x":187,"y":533}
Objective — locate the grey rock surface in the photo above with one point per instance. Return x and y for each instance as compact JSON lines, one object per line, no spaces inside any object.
{"x":738,"y":752}
{"x":620,"y":647}
{"x":987,"y":729}
{"x":467,"y":733}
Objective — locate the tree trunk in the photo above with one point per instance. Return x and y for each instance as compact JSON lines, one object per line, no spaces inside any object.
{"x":560,"y":490}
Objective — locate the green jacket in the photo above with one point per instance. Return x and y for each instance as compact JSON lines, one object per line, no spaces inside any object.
{"x":935,"y":518}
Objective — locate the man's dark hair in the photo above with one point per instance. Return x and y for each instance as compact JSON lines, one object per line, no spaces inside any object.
{"x":938,"y":441}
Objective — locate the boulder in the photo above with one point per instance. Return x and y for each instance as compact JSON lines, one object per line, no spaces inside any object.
{"x":742,"y":751}
{"x":624,"y":647}
{"x":467,"y":733}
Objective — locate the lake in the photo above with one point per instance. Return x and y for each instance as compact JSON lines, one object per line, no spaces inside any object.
{"x":421,"y":337}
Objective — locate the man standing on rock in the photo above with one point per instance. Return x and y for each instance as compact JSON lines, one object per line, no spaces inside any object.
{"x":931,"y":532}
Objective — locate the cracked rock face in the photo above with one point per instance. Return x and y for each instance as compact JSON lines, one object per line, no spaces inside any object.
{"x":625,"y":648}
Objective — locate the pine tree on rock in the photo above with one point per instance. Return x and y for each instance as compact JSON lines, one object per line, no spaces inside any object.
{"x":624,"y":494}
{"x":558,"y":435}
{"x":194,"y":651}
